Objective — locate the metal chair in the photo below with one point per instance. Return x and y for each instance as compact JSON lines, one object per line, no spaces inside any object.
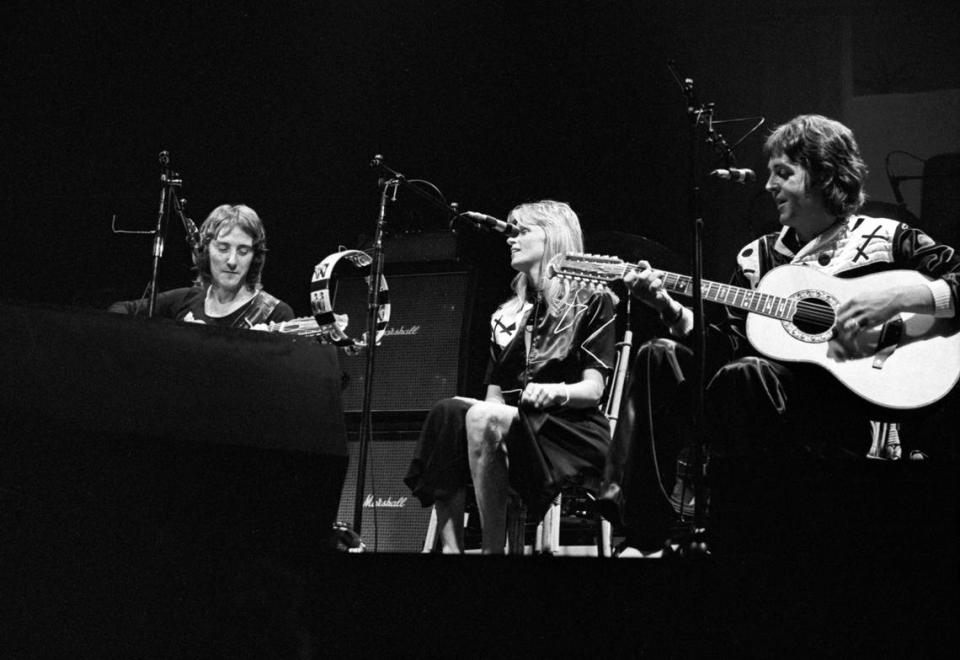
{"x":546,"y":537}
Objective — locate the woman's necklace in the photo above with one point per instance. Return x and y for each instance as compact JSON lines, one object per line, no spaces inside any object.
{"x":533,"y":318}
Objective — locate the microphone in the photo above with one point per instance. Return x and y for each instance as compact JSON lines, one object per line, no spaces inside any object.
{"x":735,"y":174}
{"x":484,"y":221}
{"x":193,"y":234}
{"x":189,"y":228}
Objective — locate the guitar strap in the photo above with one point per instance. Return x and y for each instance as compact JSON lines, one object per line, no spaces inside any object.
{"x":260,"y":309}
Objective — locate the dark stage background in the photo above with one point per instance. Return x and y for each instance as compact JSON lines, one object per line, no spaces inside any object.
{"x":282,"y":105}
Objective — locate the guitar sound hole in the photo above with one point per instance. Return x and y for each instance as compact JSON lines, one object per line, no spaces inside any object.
{"x":813,"y":316}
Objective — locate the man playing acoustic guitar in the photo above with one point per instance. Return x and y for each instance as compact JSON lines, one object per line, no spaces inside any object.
{"x":757,"y":407}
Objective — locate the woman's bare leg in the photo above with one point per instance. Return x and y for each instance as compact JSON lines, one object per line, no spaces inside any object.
{"x":487,"y":423}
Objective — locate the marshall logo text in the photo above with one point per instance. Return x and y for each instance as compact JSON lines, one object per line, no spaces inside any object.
{"x":384,"y":502}
{"x":403,"y":330}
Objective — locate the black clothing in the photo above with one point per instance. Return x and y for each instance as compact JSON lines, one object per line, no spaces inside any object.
{"x":545,"y":447}
{"x":578,"y":335}
{"x":187,"y":304}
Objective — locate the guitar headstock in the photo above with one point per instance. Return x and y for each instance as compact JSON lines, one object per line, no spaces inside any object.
{"x":586,"y":268}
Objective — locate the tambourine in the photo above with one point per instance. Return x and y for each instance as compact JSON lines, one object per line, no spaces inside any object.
{"x":333,"y":325}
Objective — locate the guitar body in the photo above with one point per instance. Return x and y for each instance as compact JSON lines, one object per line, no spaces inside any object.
{"x":910,"y":363}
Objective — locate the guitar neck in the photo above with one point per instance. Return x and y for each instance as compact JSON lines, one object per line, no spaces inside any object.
{"x":766,"y":304}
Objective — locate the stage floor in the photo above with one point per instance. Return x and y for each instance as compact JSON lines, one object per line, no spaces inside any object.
{"x":900,"y":604}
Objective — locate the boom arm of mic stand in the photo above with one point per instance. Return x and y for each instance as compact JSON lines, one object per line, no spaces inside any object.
{"x":394,"y":176}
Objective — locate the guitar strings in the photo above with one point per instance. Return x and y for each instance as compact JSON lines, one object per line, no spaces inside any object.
{"x":805,"y":310}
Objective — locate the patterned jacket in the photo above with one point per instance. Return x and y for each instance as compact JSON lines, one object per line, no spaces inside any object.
{"x":851,"y":248}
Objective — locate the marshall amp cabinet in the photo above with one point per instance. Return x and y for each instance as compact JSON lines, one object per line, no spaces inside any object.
{"x":393,"y":520}
{"x":421,"y":358}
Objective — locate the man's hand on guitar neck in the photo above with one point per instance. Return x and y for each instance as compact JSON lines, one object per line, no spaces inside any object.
{"x":645,"y":285}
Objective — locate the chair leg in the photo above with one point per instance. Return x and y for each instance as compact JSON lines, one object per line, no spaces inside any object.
{"x":516,"y":523}
{"x":546,"y":540}
{"x":555,"y":527}
{"x":548,"y":531}
{"x":430,"y":540}
{"x":605,"y":538}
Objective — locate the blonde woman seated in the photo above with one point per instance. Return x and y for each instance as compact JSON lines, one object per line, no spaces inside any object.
{"x":552,"y":347}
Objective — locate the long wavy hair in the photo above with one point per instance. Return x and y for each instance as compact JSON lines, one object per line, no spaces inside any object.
{"x":563,"y":235}
{"x":224,"y":218}
{"x":828,"y":151}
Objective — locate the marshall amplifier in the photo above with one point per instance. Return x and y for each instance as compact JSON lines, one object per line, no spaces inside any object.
{"x":420,"y":359}
{"x":393,"y":520}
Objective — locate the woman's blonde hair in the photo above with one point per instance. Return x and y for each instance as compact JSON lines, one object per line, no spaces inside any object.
{"x":563,"y":236}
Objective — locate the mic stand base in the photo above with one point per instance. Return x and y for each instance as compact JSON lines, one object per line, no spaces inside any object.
{"x":687,"y":540}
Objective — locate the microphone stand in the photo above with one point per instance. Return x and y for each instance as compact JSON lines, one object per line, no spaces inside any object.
{"x":695,"y":112}
{"x":373,"y":314}
{"x":698,"y":114}
{"x":166,"y":190}
{"x":389,"y":186}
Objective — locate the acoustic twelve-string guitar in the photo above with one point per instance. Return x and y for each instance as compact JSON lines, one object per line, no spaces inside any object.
{"x":911,"y":361}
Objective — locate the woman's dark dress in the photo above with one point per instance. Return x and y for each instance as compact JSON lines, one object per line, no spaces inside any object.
{"x":544,"y":448}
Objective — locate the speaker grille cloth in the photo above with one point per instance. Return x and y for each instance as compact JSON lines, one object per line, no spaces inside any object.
{"x":418,"y":361}
{"x":400,"y":521}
